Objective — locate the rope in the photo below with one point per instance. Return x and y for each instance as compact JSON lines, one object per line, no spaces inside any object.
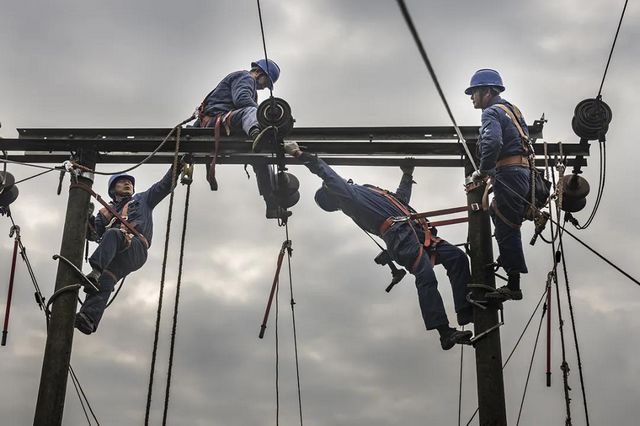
{"x":526,"y":385}
{"x":573,"y":327}
{"x":117,"y":292}
{"x":425,"y":58}
{"x":86,"y":415}
{"x":175,"y":307}
{"x":565,"y":366}
{"x":264,"y":46}
{"x":293,"y":318}
{"x":162,"y":279}
{"x":615,"y":38}
{"x":75,"y":379}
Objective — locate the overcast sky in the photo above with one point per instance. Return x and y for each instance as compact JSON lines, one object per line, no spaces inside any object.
{"x":365,"y":358}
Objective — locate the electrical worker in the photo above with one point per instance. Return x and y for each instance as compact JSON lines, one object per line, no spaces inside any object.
{"x":412,"y":244}
{"x":119,"y":251}
{"x":504,"y":159}
{"x":233,"y":104}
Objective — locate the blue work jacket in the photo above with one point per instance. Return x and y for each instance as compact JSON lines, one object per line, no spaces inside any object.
{"x":499,"y":137}
{"x":367,"y":208}
{"x":235,"y":91}
{"x":140,"y":210}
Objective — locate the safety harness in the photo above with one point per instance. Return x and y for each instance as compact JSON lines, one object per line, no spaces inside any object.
{"x":430,"y":240}
{"x":112,"y":216}
{"x":205,"y":120}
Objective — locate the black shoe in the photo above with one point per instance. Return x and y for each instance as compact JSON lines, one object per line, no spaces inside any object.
{"x":504,"y":293}
{"x":465,"y":316}
{"x":264,"y":139}
{"x":84,"y":324}
{"x":278,"y":213}
{"x":449,"y":340}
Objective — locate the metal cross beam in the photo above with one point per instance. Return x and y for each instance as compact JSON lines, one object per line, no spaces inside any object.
{"x":357,"y":146}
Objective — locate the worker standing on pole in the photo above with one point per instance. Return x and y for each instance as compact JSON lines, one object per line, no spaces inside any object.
{"x":504,"y":160}
{"x":120,"y":252}
{"x":412,"y":244}
{"x":233,"y":105}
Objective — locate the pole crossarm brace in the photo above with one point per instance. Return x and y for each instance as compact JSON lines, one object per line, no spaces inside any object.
{"x":356,"y":146}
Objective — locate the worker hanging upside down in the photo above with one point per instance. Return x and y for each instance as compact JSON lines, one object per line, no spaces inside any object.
{"x":412,"y":244}
{"x":120,"y":252}
{"x":233,"y":106}
{"x":503,"y":159}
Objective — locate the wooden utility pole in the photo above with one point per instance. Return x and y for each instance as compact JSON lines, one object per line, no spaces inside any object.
{"x":57,"y":354}
{"x":491,"y":402}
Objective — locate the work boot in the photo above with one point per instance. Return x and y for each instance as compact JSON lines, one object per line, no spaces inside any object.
{"x":92,"y":277}
{"x":278,"y":212}
{"x":465,"y":316}
{"x":504,"y":293}
{"x":262,"y":139}
{"x":84,"y":324}
{"x":450,"y":337}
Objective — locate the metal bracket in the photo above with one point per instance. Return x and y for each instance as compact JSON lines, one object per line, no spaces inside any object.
{"x":484,"y":304}
{"x":75,"y":268}
{"x":474,"y":339}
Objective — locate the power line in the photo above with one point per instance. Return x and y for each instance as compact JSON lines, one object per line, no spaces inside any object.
{"x":427,"y":62}
{"x":613,"y":45}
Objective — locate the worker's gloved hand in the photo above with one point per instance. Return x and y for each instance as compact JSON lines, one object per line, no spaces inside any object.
{"x":407,"y":169}
{"x":478,"y":176}
{"x":292,"y":148}
{"x":186,"y":159}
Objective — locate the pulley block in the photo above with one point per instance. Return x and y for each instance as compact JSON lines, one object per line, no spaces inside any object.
{"x":574,"y":186}
{"x":276,"y":112}
{"x":591,"y":119}
{"x":573,"y":205}
{"x":6,"y":180}
{"x":8,"y":196}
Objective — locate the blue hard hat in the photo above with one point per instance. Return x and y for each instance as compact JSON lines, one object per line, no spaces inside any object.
{"x":485,"y":78}
{"x":325,"y":200}
{"x":270,"y":68}
{"x":114,"y":178}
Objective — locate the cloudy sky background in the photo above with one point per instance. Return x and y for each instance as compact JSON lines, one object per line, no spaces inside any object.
{"x":364,"y":355}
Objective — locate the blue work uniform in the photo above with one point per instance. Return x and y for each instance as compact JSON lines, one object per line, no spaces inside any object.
{"x":369,"y":209}
{"x":115,"y":257}
{"x":499,"y":138}
{"x":237,"y":93}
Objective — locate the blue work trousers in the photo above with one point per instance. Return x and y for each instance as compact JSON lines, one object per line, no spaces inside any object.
{"x":510,"y":189}
{"x":243,"y":119}
{"x":116,"y":261}
{"x":403,"y":244}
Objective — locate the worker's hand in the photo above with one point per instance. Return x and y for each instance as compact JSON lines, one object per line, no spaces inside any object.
{"x":408,"y":169}
{"x":478,"y":176}
{"x":292,"y":148}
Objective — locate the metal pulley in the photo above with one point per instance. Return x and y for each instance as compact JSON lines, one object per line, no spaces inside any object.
{"x":575,"y":189}
{"x":591,"y":119}
{"x":8,"y":191}
{"x":287,"y":192}
{"x":276,"y":112}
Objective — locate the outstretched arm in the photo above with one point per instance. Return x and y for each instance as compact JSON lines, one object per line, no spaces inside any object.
{"x":159,"y":190}
{"x":403,"y":192}
{"x":336,"y":184}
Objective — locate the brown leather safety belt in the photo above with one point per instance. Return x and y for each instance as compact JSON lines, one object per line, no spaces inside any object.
{"x":429,"y":239}
{"x":132,"y":229}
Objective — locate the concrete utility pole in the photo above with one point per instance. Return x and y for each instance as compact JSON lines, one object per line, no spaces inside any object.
{"x":491,"y":402}
{"x":57,"y":354}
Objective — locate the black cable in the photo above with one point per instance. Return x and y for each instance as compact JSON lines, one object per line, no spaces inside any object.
{"x":427,"y":62}
{"x":162,"y":279}
{"x":535,"y":346}
{"x":175,"y":306}
{"x":75,"y":377}
{"x":34,"y":176}
{"x":601,"y":181}
{"x":615,"y":38}
{"x":516,"y":344}
{"x":117,"y":292}
{"x":293,"y":318}
{"x":86,"y":414}
{"x":264,"y":46}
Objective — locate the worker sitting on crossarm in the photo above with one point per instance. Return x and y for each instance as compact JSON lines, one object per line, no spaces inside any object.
{"x":120,"y":252}
{"x":503,"y":158}
{"x":233,"y":105}
{"x":411,"y":243}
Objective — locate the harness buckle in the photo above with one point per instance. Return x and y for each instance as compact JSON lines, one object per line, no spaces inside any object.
{"x":475,"y":207}
{"x":400,"y":219}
